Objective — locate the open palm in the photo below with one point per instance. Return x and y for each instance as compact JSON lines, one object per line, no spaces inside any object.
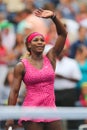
{"x":43,"y":13}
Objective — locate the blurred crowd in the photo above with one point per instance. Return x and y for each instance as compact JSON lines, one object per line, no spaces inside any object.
{"x":17,"y":21}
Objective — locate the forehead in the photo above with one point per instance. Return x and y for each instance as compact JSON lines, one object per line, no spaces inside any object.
{"x":38,"y":37}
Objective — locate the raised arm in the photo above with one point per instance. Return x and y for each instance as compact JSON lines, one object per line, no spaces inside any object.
{"x":61,"y":31}
{"x":62,"y":34}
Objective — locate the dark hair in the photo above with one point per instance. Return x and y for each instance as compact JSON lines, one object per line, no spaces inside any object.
{"x":80,"y":48}
{"x":26,"y":43}
{"x":27,"y":54}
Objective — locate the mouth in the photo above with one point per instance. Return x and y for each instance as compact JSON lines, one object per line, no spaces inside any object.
{"x":40,"y":48}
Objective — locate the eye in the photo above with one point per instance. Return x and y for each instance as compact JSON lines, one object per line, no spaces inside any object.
{"x":42,"y":39}
{"x":36,"y":39}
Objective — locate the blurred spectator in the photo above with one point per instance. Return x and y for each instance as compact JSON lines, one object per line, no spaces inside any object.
{"x":67,"y":75}
{"x":81,"y":58}
{"x":3,"y":8}
{"x":67,"y":43}
{"x":8,"y":35}
{"x":5,"y":89}
{"x":49,"y":6}
{"x":31,"y":4}
{"x":82,"y":12}
{"x":51,"y":34}
{"x":3,"y":61}
{"x":17,"y":51}
{"x":2,"y":20}
{"x":82,"y":31}
{"x":55,"y":2}
{"x":72,"y":26}
{"x":66,"y":7}
{"x":82,"y":101}
{"x":3,"y":53}
{"x":31,"y":23}
{"x":15,"y":6}
{"x":19,"y":47}
{"x":35,"y":24}
{"x":20,"y":19}
{"x":42,"y":3}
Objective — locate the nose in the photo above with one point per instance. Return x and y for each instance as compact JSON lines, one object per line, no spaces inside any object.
{"x":40,"y":41}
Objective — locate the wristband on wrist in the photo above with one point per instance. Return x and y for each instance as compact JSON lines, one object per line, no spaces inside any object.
{"x":53,"y":17}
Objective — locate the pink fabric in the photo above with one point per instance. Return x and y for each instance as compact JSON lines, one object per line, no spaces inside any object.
{"x":83,"y":101}
{"x":39,"y":87}
{"x":31,"y":36}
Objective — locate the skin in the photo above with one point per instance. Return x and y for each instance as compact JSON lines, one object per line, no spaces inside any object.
{"x":36,"y":58}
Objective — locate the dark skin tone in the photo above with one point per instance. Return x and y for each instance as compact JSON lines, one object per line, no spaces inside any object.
{"x":36,"y":58}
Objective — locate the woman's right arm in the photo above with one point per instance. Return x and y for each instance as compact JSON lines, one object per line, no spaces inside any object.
{"x":18,"y":75}
{"x":12,"y":100}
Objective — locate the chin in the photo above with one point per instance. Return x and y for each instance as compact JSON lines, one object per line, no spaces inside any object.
{"x":39,"y":52}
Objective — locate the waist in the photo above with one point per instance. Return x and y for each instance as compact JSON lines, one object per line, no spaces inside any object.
{"x":40,"y":88}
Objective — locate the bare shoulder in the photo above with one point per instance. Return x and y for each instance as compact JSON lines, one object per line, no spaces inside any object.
{"x":19,"y":69}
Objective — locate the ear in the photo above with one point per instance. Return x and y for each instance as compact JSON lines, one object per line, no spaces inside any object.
{"x":29,"y":45}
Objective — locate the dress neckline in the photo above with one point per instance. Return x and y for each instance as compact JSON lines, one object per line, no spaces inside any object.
{"x":34,"y":66}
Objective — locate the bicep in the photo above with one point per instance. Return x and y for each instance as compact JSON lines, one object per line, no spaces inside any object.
{"x":59,"y":45}
{"x":57,"y":48}
{"x":17,"y":78}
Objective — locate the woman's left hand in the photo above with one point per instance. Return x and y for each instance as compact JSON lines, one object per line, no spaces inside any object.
{"x":43,"y":13}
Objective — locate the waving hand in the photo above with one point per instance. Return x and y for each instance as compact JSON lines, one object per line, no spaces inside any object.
{"x":43,"y":13}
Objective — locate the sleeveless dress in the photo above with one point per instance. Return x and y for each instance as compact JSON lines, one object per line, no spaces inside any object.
{"x":39,"y":87}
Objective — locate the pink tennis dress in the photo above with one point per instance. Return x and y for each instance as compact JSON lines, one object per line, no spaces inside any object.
{"x":39,"y":86}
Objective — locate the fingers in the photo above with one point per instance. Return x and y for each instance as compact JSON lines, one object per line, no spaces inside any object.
{"x":38,"y":11}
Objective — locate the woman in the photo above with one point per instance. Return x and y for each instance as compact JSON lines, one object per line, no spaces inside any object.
{"x":39,"y":88}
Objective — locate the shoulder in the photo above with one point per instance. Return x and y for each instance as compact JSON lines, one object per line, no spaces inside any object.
{"x":19,"y":68}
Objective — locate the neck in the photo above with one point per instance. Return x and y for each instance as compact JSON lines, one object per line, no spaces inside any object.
{"x":36,"y":57}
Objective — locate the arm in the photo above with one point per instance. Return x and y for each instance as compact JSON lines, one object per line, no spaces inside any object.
{"x":12,"y":100}
{"x":18,"y":70}
{"x":62,"y":34}
{"x":61,"y":31}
